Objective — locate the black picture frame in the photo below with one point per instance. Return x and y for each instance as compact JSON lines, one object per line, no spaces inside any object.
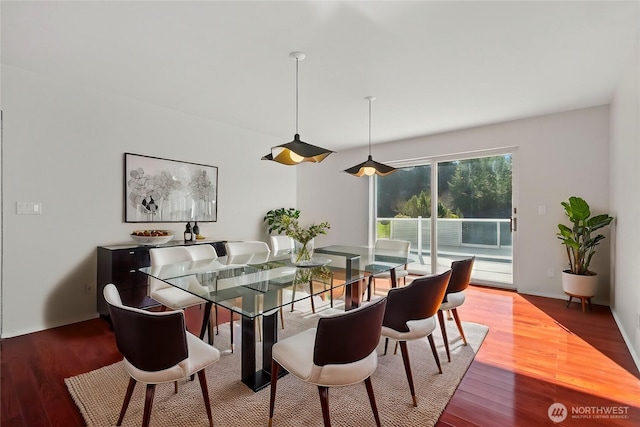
{"x":165,"y":190}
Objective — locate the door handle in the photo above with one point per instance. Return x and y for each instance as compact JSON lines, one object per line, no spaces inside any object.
{"x":513,"y":224}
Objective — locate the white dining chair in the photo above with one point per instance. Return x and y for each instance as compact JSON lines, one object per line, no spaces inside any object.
{"x":167,"y":295}
{"x":281,"y":243}
{"x":246,"y":252}
{"x":201,"y":252}
{"x":454,"y":297}
{"x":339,"y":352}
{"x":411,"y":315}
{"x":157,"y":349}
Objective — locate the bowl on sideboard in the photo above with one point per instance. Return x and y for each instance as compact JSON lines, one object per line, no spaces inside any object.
{"x":152,"y":237}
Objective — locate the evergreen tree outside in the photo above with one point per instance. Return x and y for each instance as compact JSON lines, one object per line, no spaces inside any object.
{"x":481,"y":188}
{"x":474,"y":188}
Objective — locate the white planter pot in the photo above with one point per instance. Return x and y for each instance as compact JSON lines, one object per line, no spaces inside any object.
{"x":577,"y":285}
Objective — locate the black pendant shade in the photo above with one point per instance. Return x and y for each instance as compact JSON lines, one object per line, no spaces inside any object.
{"x":370,"y":167}
{"x":297,"y":151}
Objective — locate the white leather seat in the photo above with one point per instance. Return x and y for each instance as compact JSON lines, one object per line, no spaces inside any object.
{"x":410,"y":316}
{"x":281,"y":243}
{"x":247,"y":252}
{"x":167,"y":295}
{"x":202,"y":251}
{"x":157,"y":349}
{"x":400,"y":246}
{"x":341,"y":351}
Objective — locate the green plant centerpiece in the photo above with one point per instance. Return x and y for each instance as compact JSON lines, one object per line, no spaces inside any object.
{"x":303,"y":237}
{"x":580,"y":243}
{"x":274,"y":217}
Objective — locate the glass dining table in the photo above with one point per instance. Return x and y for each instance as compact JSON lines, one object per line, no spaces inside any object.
{"x":260,"y":284}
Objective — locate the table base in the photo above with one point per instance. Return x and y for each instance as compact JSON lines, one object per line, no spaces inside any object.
{"x":261,"y":379}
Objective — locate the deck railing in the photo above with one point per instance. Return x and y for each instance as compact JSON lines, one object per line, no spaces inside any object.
{"x":452,"y":232}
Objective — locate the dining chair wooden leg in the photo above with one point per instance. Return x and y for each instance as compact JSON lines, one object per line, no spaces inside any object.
{"x":435,"y":352}
{"x":386,"y":344}
{"x":372,"y":400}
{"x":331,"y":288}
{"x":449,"y":315}
{"x":324,"y":403}
{"x":210,"y":328}
{"x":459,"y":325}
{"x":293,"y":296}
{"x":443,"y":329}
{"x":205,"y":394}
{"x":231,"y":332}
{"x":175,"y":387}
{"x":127,"y":399}
{"x":275,"y":367}
{"x":148,"y":404}
{"x":215,"y":309}
{"x":313,"y":305}
{"x":281,"y":318}
{"x":407,"y":369}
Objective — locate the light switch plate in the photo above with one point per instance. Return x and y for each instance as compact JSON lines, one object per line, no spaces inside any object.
{"x":29,"y":208}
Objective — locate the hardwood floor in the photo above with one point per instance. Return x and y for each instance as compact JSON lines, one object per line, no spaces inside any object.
{"x":537,"y":352}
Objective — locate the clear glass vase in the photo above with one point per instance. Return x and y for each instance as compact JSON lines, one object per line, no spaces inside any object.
{"x":302,"y":252}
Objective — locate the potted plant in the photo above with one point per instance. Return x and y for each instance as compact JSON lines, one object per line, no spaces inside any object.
{"x":302,"y":237}
{"x":580,"y":244}
{"x":273,"y":218}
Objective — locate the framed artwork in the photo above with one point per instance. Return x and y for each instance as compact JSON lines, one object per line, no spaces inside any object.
{"x":163,"y":190}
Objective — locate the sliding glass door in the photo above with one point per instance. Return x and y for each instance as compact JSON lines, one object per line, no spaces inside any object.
{"x":473,"y":209}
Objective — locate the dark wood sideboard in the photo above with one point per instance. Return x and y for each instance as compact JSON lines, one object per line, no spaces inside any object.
{"x":119,"y":264}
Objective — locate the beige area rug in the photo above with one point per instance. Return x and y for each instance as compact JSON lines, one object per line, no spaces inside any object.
{"x":99,"y":394}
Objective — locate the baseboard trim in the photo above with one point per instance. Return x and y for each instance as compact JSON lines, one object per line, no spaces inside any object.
{"x":66,"y":322}
{"x":627,"y":340}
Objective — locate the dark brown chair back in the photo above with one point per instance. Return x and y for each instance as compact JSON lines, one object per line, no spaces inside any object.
{"x":460,"y":275}
{"x":349,"y":337}
{"x":149,"y":342}
{"x":420,"y":299}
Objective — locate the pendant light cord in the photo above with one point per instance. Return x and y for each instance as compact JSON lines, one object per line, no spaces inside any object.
{"x":297,"y":62}
{"x":370,"y":127}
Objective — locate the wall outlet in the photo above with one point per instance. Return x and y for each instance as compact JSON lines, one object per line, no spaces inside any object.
{"x":88,"y":288}
{"x":29,"y":208}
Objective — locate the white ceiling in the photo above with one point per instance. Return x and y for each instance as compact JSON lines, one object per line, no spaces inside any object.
{"x":433,"y":66}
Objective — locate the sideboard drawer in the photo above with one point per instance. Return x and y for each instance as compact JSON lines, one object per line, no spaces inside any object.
{"x":130,"y":259}
{"x":127,"y":279}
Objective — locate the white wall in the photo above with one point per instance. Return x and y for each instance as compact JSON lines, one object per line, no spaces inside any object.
{"x":625,"y":203}
{"x":63,"y":146}
{"x":558,"y":156}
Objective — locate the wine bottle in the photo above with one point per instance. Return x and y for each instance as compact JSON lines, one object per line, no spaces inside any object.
{"x":196,"y":230}
{"x":188,"y":235}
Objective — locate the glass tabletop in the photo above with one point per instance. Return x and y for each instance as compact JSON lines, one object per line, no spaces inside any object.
{"x":260,"y":283}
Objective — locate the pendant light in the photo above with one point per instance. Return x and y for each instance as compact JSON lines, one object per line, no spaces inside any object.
{"x":297,"y":151}
{"x":370,"y":167}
